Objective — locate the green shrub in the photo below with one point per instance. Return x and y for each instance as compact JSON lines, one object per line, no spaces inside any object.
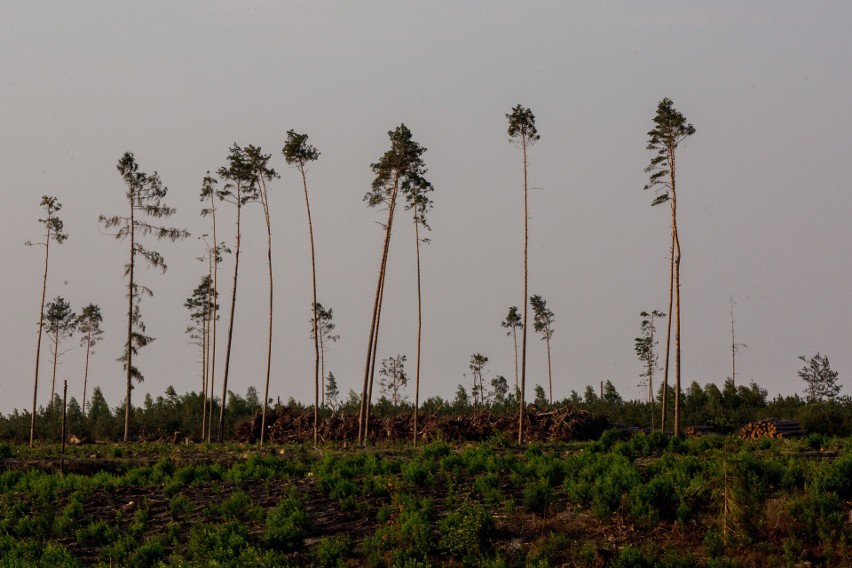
{"x":332,"y":552}
{"x":406,"y":538}
{"x":97,"y":532}
{"x":538,"y":495}
{"x":286,"y":525}
{"x":179,"y":506}
{"x":465,"y":533}
{"x":211,"y":544}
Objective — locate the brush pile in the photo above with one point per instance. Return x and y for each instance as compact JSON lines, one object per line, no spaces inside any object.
{"x":771,"y":428}
{"x":284,"y":425}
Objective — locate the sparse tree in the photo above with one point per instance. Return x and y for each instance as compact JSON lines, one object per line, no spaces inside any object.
{"x":735,"y":347}
{"x":209,"y":192}
{"x":332,"y":393}
{"x":645,"y":347}
{"x":53,"y":228}
{"x":299,"y":154}
{"x":820,"y":378}
{"x":264,"y":175}
{"x":89,"y":324}
{"x":145,"y":194}
{"x":522,"y":131}
{"x":416,"y":190}
{"x":202,"y":308}
{"x":402,"y":164}
{"x":513,"y":323}
{"x":393,"y":378}
{"x":543,"y":323}
{"x":61,"y":323}
{"x":499,"y":389}
{"x":240,"y":189}
{"x":540,"y":399}
{"x":324,"y":324}
{"x":670,"y":129}
{"x":477,"y":369}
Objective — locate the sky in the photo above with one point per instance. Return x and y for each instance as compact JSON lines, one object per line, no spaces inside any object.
{"x":764,"y":190}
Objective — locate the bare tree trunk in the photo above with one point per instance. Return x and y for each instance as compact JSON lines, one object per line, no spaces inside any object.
{"x":526,"y":308}
{"x":419,"y":326}
{"x":55,"y":357}
{"x":373,"y":363}
{"x":322,"y":369}
{"x":370,"y":363}
{"x":40,"y":328}
{"x":204,"y":362}
{"x":316,"y":323}
{"x":265,"y":203}
{"x":515,"y":338}
{"x":209,"y":311}
{"x":221,"y":430}
{"x":677,"y":322}
{"x":86,"y":368}
{"x":549,"y":374}
{"x":651,"y":378}
{"x":215,"y":315}
{"x":733,"y":348}
{"x":664,"y":410}
{"x":64,"y":416}
{"x":131,"y":292}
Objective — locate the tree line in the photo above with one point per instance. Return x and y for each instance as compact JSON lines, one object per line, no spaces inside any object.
{"x":399,"y":183}
{"x":161,"y":417}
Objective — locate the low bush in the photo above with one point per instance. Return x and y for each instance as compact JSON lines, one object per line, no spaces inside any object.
{"x":286,"y":525}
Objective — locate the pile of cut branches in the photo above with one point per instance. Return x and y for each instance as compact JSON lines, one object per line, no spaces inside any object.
{"x":285,"y":425}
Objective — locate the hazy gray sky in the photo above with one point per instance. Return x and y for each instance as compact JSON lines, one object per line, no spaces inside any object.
{"x":764,"y":184}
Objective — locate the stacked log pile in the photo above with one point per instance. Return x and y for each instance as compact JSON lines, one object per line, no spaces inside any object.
{"x":285,"y":425}
{"x":771,"y":428}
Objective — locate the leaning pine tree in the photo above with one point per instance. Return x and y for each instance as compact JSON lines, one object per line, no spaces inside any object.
{"x":670,"y":129}
{"x":299,"y":154}
{"x":145,"y":194}
{"x":522,"y":131}
{"x":400,"y":165}
{"x":416,"y":190}
{"x":264,"y":175}
{"x":240,"y":189}
{"x":53,"y":232}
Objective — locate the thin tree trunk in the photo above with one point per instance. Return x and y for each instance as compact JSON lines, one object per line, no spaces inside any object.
{"x":40,"y":329}
{"x":370,"y":363}
{"x":322,"y":368}
{"x":86,"y":368}
{"x":64,"y":416}
{"x":676,"y":287}
{"x":526,"y":308}
{"x":733,"y":348}
{"x":204,"y":362}
{"x":265,"y":199}
{"x":549,"y":374}
{"x":221,"y":430}
{"x":215,"y":315}
{"x":55,"y":358}
{"x":515,"y":338}
{"x":419,"y":326}
{"x":130,"y":294}
{"x":677,"y":321}
{"x":316,"y":323}
{"x":373,"y":364}
{"x":664,"y":410}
